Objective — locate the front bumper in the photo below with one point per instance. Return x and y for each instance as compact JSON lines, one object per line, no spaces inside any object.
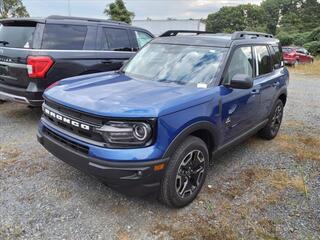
{"x":31,"y":95}
{"x":131,"y":178}
{"x":289,"y":61}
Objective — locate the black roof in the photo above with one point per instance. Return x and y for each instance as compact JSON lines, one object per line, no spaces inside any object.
{"x":64,"y":18}
{"x":215,"y":39}
{"x":70,"y":20}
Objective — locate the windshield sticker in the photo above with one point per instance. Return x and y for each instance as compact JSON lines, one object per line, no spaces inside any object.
{"x":202,"y":85}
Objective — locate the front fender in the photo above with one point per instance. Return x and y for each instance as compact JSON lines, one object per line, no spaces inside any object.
{"x":202,"y":125}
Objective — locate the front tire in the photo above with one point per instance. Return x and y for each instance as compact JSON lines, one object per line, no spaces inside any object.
{"x":271,"y":130}
{"x":185,"y":173}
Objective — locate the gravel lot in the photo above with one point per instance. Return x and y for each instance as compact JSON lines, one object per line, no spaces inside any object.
{"x":259,"y":190}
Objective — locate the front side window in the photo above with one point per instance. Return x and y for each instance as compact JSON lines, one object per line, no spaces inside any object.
{"x":302,"y":51}
{"x":178,"y":64}
{"x":142,"y":38}
{"x":117,"y":39}
{"x":64,"y":37}
{"x":241,"y":63}
{"x":263,"y":60}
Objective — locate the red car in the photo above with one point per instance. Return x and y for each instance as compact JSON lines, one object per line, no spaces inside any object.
{"x":295,"y":55}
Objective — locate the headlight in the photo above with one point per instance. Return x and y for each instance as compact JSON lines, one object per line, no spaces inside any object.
{"x":126,"y":133}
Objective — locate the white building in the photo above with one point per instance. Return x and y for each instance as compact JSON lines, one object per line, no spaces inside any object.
{"x":158,"y":27}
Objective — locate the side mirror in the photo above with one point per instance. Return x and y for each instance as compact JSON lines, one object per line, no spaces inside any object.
{"x":241,"y":81}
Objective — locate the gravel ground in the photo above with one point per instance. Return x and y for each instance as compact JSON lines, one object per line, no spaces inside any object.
{"x":259,"y":190}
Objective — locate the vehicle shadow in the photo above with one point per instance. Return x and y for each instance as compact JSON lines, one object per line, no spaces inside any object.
{"x":15,"y":112}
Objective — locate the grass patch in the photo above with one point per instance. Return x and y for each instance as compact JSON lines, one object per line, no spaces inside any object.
{"x":200,"y":230}
{"x":122,"y":235}
{"x":302,"y":147}
{"x":312,"y":69}
{"x":11,"y":232}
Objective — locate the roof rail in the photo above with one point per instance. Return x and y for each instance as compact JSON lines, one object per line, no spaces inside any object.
{"x":172,"y":33}
{"x":242,"y":34}
{"x":58,"y":17}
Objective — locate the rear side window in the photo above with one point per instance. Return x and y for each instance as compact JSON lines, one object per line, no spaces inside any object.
{"x":17,"y":34}
{"x":142,"y":38}
{"x":64,"y":37}
{"x":263,"y":60}
{"x":117,"y":39}
{"x":276,"y":57}
{"x":241,"y":63}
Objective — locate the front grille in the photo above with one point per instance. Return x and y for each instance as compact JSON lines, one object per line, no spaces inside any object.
{"x":76,"y":146}
{"x":80,"y":117}
{"x":94,"y":120}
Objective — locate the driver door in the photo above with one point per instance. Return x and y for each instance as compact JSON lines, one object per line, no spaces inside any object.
{"x":240,"y":107}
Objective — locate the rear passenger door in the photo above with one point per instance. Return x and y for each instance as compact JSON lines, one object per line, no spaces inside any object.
{"x":115,"y":47}
{"x":267,"y":75}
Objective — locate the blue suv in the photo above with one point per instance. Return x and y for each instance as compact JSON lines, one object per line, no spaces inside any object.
{"x":182,"y":100}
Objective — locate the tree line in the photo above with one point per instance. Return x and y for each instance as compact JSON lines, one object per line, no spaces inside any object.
{"x":294,"y":22}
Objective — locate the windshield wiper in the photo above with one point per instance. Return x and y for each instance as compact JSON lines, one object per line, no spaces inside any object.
{"x":4,"y":43}
{"x":171,"y":81}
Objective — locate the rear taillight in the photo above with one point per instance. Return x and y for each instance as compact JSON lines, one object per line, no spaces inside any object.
{"x":38,"y":66}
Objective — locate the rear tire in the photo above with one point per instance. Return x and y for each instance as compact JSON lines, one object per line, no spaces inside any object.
{"x":271,"y":130}
{"x":185,"y":173}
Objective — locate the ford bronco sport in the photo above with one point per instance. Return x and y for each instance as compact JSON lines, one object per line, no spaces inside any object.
{"x":154,"y":125}
{"x":35,"y":52}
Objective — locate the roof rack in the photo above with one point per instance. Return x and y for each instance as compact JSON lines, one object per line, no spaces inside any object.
{"x":58,"y":17}
{"x":243,"y":34}
{"x":172,"y":33}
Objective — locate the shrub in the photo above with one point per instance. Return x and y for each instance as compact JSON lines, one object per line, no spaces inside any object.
{"x":285,"y":39}
{"x":314,"y":35}
{"x":313,"y":47}
{"x":299,"y":39}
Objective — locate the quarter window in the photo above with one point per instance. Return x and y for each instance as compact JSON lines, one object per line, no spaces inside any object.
{"x":241,"y":63}
{"x":263,"y":60}
{"x":64,"y":37}
{"x":142,"y":38}
{"x":117,"y":39}
{"x":276,"y":57}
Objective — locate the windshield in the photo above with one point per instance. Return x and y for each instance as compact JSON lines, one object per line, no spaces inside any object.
{"x":180,"y":64}
{"x":16,"y":36}
{"x":287,"y":50}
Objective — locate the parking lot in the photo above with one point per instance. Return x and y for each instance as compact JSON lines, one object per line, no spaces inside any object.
{"x":259,"y":190}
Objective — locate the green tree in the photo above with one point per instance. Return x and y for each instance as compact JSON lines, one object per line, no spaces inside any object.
{"x":309,"y":15}
{"x":238,"y":18}
{"x":117,"y":11}
{"x":12,"y":8}
{"x":272,"y":13}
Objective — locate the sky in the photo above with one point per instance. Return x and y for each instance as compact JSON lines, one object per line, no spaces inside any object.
{"x":154,"y":9}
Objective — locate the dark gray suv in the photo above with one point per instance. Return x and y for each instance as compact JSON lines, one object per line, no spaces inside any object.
{"x":36,"y":52}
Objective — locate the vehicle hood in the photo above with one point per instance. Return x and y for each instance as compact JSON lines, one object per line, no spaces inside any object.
{"x":117,"y":95}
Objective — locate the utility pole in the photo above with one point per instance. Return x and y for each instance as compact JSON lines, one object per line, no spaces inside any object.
{"x":69,"y":8}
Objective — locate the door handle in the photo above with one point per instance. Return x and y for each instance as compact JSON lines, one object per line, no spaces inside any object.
{"x":276,"y":84}
{"x":255,"y":91}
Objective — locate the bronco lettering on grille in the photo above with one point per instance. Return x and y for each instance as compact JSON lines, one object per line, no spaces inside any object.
{"x":66,"y":120}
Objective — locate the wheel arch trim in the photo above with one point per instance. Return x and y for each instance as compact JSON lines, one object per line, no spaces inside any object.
{"x":181,"y":136}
